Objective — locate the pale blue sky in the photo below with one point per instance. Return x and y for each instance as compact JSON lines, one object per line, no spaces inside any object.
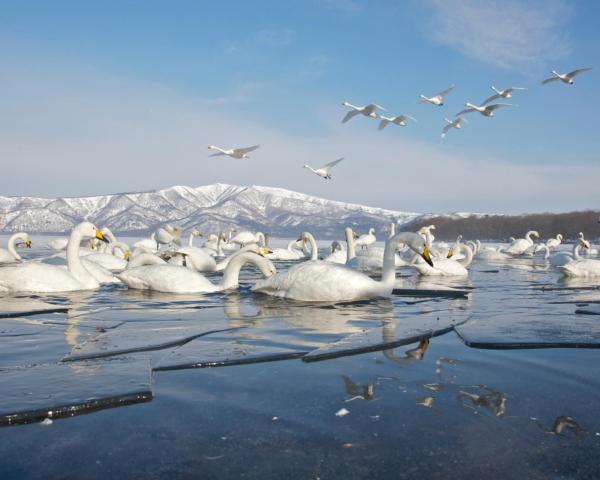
{"x":121,"y":96}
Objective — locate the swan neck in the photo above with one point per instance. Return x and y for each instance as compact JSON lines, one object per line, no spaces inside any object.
{"x":351,"y":249}
{"x":231,"y":275}
{"x":11,"y":244}
{"x":388,"y":276}
{"x":191,"y":240}
{"x":314,"y":254}
{"x":465,"y":262}
{"x":74,"y":264}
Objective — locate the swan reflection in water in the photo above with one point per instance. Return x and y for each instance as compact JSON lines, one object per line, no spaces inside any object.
{"x":491,"y":400}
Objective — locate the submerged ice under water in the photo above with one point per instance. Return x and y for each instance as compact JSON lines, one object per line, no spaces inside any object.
{"x":468,"y":380}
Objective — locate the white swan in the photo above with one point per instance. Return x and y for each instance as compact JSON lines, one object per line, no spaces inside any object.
{"x":246,"y":237}
{"x":493,"y":254}
{"x":366,"y":239}
{"x":167,"y":235}
{"x":485,"y":110}
{"x":317,"y":281}
{"x":40,"y":277}
{"x":325,"y":170}
{"x":448,"y":267}
{"x":370,"y":260}
{"x":438,"y":99}
{"x":585,"y":268}
{"x":148,"y":244}
{"x":506,"y":93}
{"x":286,"y":254}
{"x":174,"y":279}
{"x":237,"y":153}
{"x":521,"y":245}
{"x":559,"y":259}
{"x":456,"y":123}
{"x":110,"y":261}
{"x":338,"y":253}
{"x":554,"y":242}
{"x":565,"y":77}
{"x":10,"y":255}
{"x":369,"y":110}
{"x":399,"y":120}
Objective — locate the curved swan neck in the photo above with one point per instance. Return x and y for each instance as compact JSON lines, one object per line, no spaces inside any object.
{"x":74,"y":264}
{"x":12,"y":241}
{"x":546,"y":249}
{"x":465,"y":262}
{"x":351,"y":249}
{"x":107,"y":232}
{"x":231,"y":274}
{"x":576,"y":249}
{"x":529,"y":234}
{"x":388,"y":276}
{"x":145,"y":259}
{"x":291,"y":244}
{"x":314,"y":254}
{"x":119,"y":246}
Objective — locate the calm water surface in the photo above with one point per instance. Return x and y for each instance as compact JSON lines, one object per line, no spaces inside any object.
{"x":439,"y":409}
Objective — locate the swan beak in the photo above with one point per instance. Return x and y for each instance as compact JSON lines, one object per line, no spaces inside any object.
{"x":264,"y":251}
{"x":126,"y":256}
{"x":100,"y":236}
{"x":28,"y":243}
{"x":426,"y":256}
{"x":450,"y":253}
{"x":354,"y":235}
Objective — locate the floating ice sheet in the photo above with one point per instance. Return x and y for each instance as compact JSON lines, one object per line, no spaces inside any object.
{"x":11,"y":307}
{"x":531,"y":331}
{"x":588,"y":310}
{"x":31,"y":394}
{"x":140,"y":337}
{"x":392,"y":334}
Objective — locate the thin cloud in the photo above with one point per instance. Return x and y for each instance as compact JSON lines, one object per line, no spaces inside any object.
{"x":275,"y":38}
{"x":511,"y":34}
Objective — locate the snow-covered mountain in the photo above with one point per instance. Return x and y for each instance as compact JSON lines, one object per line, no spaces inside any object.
{"x":211,"y":208}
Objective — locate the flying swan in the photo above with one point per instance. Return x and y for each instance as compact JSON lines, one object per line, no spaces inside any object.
{"x":438,"y":99}
{"x":237,"y":153}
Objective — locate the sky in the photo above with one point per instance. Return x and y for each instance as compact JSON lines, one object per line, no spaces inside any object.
{"x":120,"y":96}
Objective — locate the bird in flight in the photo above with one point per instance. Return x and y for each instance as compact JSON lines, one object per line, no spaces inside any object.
{"x":457,"y":123}
{"x":437,"y":99}
{"x":565,"y":77}
{"x":506,"y":93}
{"x":485,"y":110}
{"x":325,"y":170}
{"x":369,"y":110}
{"x":233,"y":152}
{"x":400,"y":120}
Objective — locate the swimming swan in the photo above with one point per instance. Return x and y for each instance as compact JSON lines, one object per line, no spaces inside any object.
{"x":287,"y":254}
{"x":562,"y":258}
{"x":174,"y":279}
{"x":10,"y":255}
{"x":319,"y":281}
{"x":521,"y":245}
{"x":448,"y":267}
{"x":40,"y":277}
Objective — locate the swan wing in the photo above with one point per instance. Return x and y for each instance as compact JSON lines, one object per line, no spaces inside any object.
{"x":166,"y":278}
{"x":466,"y":110}
{"x":349,"y":115}
{"x":445,"y":92}
{"x":551,"y":79}
{"x":38,"y":277}
{"x":328,"y":166}
{"x":489,"y":99}
{"x":218,"y":154}
{"x":498,"y":105}
{"x":246,"y":149}
{"x":577,"y":72}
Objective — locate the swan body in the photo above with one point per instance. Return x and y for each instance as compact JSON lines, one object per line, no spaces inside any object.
{"x":493,"y":254}
{"x":506,"y":93}
{"x":565,"y":77}
{"x":554,"y":242}
{"x":562,"y":258}
{"x":237,"y":153}
{"x":148,"y":244}
{"x":44,"y":278}
{"x":485,"y":110}
{"x":58,"y":243}
{"x":448,"y":267}
{"x":175,"y":279}
{"x":325,"y":170}
{"x":287,"y":254}
{"x":585,"y":268}
{"x":110,"y":261}
{"x":521,"y":245}
{"x":10,"y":254}
{"x":399,"y":120}
{"x":167,"y":235}
{"x":319,"y":281}
{"x":338,"y":253}
{"x":366,"y":239}
{"x":438,"y":99}
{"x":456,"y":123}
{"x":369,"y":110}
{"x":246,"y":237}
{"x":196,"y":259}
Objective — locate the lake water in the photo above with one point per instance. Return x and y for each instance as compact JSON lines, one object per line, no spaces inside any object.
{"x":500,"y":382}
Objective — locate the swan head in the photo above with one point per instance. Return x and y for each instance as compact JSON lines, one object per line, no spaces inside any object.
{"x":306,"y":166}
{"x":26,"y":243}
{"x":89,"y":230}
{"x":450,"y":253}
{"x":559,"y":236}
{"x":196,"y":233}
{"x":426,"y":256}
{"x":264,"y":251}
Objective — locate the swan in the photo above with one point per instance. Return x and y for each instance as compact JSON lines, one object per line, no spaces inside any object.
{"x":586,"y":268}
{"x":148,"y":244}
{"x":399,"y":120}
{"x":456,"y":123}
{"x":438,"y":99}
{"x":338,"y":253}
{"x":554,"y":242}
{"x":167,"y":235}
{"x":58,"y":243}
{"x":485,"y":110}
{"x":174,"y":279}
{"x":325,"y":170}
{"x":246,"y":237}
{"x":506,"y":93}
{"x":319,"y":281}
{"x":493,"y":254}
{"x":193,"y":233}
{"x":369,"y":110}
{"x":10,"y":255}
{"x":196,"y":258}
{"x":44,"y":278}
{"x":565,"y":77}
{"x":368,"y":260}
{"x":559,"y":259}
{"x":521,"y":245}
{"x":288,"y":253}
{"x":366,"y":239}
{"x":448,"y":267}
{"x":252,"y":247}
{"x":237,"y":153}
{"x":110,"y":261}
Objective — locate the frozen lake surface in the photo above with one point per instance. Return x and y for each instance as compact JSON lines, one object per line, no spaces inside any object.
{"x":495,"y":376}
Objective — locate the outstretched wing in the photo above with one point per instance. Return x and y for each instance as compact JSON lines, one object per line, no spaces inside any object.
{"x":371,"y":108}
{"x":467,"y":110}
{"x":498,"y":105}
{"x":516,"y":88}
{"x":349,"y":115}
{"x":247,"y":149}
{"x":328,"y":166}
{"x":548,"y":80}
{"x":489,"y":99}
{"x":383,"y":123}
{"x":446,"y":129}
{"x":218,"y":154}
{"x":578,"y":71}
{"x":445,"y":92}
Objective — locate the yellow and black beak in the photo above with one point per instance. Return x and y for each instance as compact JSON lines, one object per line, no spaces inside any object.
{"x":450,"y":253}
{"x":354,"y":235}
{"x":264,"y":251}
{"x":126,"y":255}
{"x":100,"y":236}
{"x":426,"y":256}
{"x":28,"y":243}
